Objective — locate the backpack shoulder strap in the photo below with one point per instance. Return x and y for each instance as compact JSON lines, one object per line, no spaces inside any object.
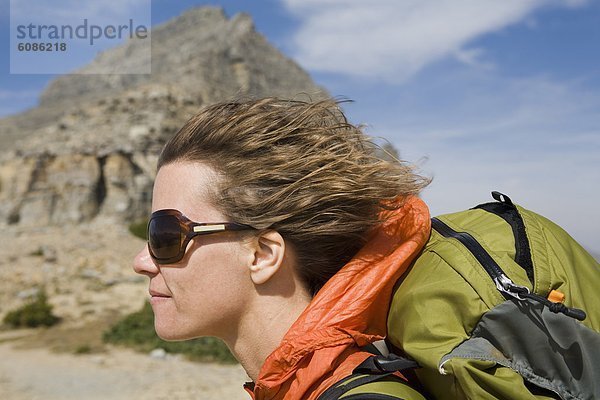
{"x":374,"y":379}
{"x":383,"y":388}
{"x":505,"y":209}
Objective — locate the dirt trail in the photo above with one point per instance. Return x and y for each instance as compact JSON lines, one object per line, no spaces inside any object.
{"x":117,"y":374}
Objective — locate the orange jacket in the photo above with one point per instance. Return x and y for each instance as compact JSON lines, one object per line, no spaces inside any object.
{"x":350,"y":311}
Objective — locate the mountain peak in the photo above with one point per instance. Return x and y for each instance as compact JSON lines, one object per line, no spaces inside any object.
{"x":89,"y":149}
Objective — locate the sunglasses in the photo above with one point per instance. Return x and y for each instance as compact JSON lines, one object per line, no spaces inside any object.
{"x":169,"y":232}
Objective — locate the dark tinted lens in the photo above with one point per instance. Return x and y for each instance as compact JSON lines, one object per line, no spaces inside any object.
{"x":164,"y":236}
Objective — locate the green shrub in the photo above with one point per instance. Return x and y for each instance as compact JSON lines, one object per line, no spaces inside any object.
{"x":37,"y":253}
{"x":33,"y":314}
{"x":138,"y":228}
{"x":83,"y":349}
{"x":136,"y":330}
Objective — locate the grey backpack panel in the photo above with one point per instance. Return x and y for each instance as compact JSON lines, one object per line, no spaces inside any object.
{"x":544,"y":347}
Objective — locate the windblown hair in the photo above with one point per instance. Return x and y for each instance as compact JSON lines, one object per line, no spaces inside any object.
{"x":299,"y":168}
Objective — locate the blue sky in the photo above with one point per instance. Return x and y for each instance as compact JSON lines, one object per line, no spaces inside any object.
{"x":482,"y":94}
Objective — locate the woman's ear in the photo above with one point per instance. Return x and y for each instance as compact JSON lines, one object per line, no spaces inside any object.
{"x":269,"y":250}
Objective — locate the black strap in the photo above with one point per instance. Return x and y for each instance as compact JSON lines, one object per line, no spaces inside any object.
{"x":374,"y":368}
{"x":372,"y":396}
{"x":402,"y":363}
{"x":383,"y":365}
{"x":336,"y":391}
{"x":505,"y":209}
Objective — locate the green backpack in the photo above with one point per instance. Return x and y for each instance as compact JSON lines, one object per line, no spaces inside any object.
{"x":473,"y":309}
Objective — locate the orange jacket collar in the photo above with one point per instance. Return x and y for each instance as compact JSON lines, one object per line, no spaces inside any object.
{"x":350,"y":311}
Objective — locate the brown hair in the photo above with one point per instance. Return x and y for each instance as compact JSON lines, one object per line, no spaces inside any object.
{"x":299,"y":168}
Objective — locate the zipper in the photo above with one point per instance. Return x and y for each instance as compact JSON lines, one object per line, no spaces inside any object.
{"x":503,"y":283}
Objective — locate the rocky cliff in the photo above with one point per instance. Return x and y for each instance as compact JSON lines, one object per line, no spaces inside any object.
{"x":89,"y":150}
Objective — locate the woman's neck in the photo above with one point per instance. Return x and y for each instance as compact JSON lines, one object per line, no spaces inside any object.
{"x":263,"y":327}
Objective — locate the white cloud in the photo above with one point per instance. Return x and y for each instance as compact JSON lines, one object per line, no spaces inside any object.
{"x":538,"y":140}
{"x":474,"y":57}
{"x":559,"y":186}
{"x":391,"y":39}
{"x":536,"y":110}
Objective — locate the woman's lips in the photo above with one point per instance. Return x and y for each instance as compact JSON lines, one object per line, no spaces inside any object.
{"x":158,"y":295}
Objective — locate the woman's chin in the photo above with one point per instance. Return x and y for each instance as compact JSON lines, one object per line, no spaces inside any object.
{"x":169,"y":332}
{"x":169,"y":336}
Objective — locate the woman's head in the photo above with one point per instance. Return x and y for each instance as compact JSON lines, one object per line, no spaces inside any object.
{"x":297,"y":168}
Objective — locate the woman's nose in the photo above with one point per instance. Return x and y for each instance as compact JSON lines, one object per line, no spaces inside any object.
{"x":143,"y":263}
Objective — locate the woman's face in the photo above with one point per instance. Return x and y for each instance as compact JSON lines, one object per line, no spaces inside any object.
{"x":206,"y":292}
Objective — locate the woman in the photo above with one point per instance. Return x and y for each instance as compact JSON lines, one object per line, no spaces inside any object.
{"x":278,"y":229}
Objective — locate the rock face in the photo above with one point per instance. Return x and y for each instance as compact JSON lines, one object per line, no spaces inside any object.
{"x":90,"y":149}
